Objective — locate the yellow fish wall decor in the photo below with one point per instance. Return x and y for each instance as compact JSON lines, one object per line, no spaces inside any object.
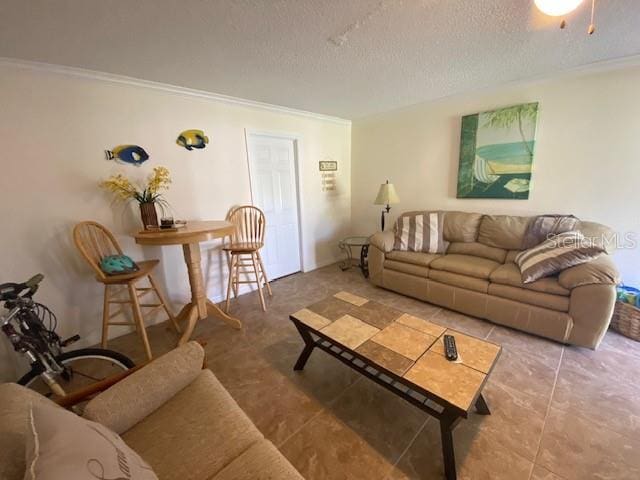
{"x":191,"y":139}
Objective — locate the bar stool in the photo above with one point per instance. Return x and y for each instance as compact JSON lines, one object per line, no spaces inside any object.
{"x":95,"y":242}
{"x":243,"y":251}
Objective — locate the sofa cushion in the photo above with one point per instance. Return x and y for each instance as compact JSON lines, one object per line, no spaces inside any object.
{"x":261,"y":462}
{"x":410,"y":268}
{"x":457,"y":280}
{"x":417,"y":258}
{"x":420,"y":232}
{"x":63,"y":446}
{"x":465,"y":265}
{"x":461,"y":226}
{"x":503,"y":231}
{"x":509,"y":274}
{"x":15,"y":402}
{"x":559,"y":303}
{"x":478,"y":250}
{"x":556,"y":254}
{"x":195,"y":434}
{"x":511,"y":256}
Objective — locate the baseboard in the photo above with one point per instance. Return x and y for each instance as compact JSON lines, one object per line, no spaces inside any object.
{"x":319,"y":264}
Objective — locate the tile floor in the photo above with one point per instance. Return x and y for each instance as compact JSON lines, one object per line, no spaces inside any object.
{"x":559,"y":413}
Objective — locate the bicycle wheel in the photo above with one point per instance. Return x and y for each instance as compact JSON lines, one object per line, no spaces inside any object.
{"x":84,"y":367}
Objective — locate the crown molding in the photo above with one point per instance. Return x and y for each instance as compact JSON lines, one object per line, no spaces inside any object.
{"x":163,"y":87}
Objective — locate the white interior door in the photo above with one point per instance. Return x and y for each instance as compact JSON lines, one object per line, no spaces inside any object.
{"x":272,"y":165}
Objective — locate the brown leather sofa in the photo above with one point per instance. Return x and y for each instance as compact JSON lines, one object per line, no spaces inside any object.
{"x":175,"y":415}
{"x":477,"y":276}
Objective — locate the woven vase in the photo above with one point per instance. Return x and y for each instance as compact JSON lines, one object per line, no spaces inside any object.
{"x":148,"y":215}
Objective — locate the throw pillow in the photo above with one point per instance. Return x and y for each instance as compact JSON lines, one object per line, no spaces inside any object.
{"x":62,"y":446}
{"x":556,"y":254}
{"x":420,"y":232}
{"x":543,"y":227}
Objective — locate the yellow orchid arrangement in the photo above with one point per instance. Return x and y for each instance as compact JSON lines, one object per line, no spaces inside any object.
{"x":124,"y":189}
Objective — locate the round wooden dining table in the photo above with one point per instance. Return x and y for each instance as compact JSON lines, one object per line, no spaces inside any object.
{"x":190,"y":237}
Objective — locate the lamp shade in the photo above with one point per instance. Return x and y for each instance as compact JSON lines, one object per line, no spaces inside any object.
{"x":386,"y":195}
{"x":557,"y":8}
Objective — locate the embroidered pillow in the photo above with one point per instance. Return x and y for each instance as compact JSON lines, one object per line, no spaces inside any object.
{"x":556,"y":254}
{"x":61,"y":445}
{"x":543,"y":227}
{"x":420,"y":232}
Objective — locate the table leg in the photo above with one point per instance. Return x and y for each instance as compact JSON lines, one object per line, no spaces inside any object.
{"x":200,"y":306}
{"x":184,"y":313}
{"x":364,"y":266}
{"x":347,"y":263}
{"x":481,"y":406}
{"x":447,"y":423}
{"x":309,"y":345}
{"x":213,"y":309}
{"x":191,"y":317}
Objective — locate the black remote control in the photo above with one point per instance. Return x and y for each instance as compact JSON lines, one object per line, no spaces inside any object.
{"x":450,"y":350}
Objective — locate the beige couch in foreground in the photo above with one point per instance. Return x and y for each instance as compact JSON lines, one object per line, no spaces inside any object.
{"x":477,"y":276}
{"x":175,"y":415}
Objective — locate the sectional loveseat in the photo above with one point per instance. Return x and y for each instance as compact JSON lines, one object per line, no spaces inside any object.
{"x":477,"y":276}
{"x":173,"y":413}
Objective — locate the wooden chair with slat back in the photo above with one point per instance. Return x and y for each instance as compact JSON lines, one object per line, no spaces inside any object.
{"x":94,"y":241}
{"x":243,"y":251}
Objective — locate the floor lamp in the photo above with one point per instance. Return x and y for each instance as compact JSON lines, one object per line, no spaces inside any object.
{"x":386,"y":196}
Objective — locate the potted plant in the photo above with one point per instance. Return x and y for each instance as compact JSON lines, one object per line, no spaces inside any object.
{"x":147,"y":196}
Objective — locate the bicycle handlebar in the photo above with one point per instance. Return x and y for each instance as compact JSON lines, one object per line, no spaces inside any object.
{"x":34,"y":281}
{"x":11,"y":291}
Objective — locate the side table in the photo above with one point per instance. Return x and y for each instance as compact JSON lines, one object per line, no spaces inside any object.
{"x":346,"y":245}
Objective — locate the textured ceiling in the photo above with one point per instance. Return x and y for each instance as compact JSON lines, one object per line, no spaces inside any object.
{"x":348,"y":58}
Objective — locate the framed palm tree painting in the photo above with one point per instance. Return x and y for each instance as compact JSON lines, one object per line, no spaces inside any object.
{"x":496,"y":152}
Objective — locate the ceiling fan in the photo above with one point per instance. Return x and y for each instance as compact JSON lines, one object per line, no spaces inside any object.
{"x":559,"y":8}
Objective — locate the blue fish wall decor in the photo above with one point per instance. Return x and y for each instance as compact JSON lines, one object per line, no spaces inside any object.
{"x":191,"y":139}
{"x":129,"y":154}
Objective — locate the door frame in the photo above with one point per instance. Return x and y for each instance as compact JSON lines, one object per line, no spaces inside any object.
{"x":297,"y":140}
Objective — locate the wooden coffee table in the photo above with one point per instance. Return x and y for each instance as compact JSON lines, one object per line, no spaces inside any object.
{"x":404,"y":354}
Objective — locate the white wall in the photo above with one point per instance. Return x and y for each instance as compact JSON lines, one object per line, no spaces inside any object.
{"x":587,"y":159}
{"x":53,"y":130}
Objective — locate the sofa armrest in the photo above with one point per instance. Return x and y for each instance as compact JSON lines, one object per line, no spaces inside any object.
{"x":600,"y":271}
{"x":383,"y":241}
{"x":143,"y":392}
{"x":86,"y":393}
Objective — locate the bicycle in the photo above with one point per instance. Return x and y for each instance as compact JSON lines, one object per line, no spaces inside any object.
{"x":53,"y":373}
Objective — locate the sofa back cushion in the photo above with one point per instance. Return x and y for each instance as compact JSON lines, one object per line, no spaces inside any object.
{"x":461,"y":226}
{"x":511,"y":256}
{"x":478,"y":250}
{"x":503,"y":231}
{"x":420,"y":232}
